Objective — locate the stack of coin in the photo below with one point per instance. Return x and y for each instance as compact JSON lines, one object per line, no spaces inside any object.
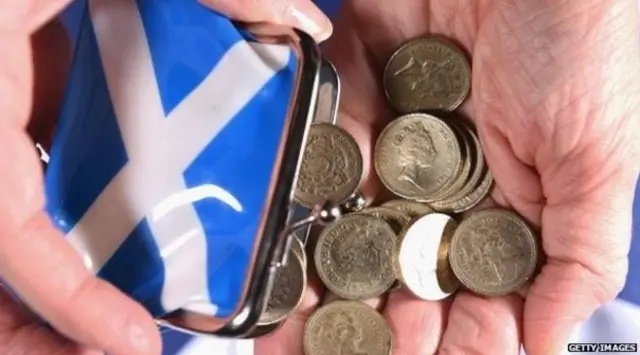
{"x":440,"y":163}
{"x":418,"y":242}
{"x":422,"y":157}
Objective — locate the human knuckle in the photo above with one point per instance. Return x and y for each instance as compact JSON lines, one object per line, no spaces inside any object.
{"x":604,"y":281}
{"x":610,"y":278}
{"x":614,"y":282}
{"x":77,"y":297}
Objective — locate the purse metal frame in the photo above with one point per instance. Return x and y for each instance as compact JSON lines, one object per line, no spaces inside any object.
{"x":315,"y":98}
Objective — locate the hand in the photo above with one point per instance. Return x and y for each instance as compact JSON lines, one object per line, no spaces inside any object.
{"x":301,"y":14}
{"x":40,"y":266}
{"x":35,"y":260}
{"x":556,"y":90}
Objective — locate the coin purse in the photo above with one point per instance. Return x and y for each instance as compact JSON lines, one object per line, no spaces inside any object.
{"x":176,"y":155}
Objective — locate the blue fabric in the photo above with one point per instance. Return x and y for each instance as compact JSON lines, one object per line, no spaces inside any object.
{"x":89,"y":153}
{"x":173,"y":341}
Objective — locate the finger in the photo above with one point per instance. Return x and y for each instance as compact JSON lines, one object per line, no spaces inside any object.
{"x":588,"y":163}
{"x":586,"y":242}
{"x":301,"y":14}
{"x":479,"y":325}
{"x":376,"y":303}
{"x":400,"y":23}
{"x":34,"y":258}
{"x":48,"y":274}
{"x":19,"y":334}
{"x":288,"y":339}
{"x":416,"y":325}
{"x":28,"y":15}
{"x":360,"y":58}
{"x":519,"y":184}
{"x":362,"y":98}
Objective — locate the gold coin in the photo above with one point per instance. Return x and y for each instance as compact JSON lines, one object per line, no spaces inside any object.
{"x":287,"y":292}
{"x":447,"y":280}
{"x":494,"y":252}
{"x":346,"y":327}
{"x":426,"y":74}
{"x":354,"y":257}
{"x":396,"y":219}
{"x":416,"y":156}
{"x":331,"y":167}
{"x":486,"y":203}
{"x":479,"y":193}
{"x":465,"y":167}
{"x":412,"y":208}
{"x":463,"y":199}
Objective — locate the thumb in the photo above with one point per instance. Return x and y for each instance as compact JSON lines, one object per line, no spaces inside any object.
{"x":301,"y":14}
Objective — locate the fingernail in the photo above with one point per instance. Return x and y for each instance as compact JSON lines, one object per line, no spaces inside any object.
{"x":309,"y":18}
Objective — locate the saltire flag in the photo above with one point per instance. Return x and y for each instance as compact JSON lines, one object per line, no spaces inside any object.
{"x":165,"y":149}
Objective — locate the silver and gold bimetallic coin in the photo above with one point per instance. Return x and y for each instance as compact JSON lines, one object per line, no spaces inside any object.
{"x":494,"y":252}
{"x":427,"y":74}
{"x":354,"y":257}
{"x":346,"y":327}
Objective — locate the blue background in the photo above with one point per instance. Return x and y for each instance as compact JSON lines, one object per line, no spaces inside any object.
{"x":174,"y":341}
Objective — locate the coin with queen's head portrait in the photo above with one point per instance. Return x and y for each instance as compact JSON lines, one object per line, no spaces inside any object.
{"x":417,"y":155}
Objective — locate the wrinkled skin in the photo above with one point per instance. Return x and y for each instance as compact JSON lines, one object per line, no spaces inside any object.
{"x":555,"y":98}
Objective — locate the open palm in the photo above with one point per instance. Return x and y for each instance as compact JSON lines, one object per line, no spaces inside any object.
{"x":555,"y":97}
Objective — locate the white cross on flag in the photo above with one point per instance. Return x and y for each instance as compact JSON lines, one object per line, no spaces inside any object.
{"x":165,"y":150}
